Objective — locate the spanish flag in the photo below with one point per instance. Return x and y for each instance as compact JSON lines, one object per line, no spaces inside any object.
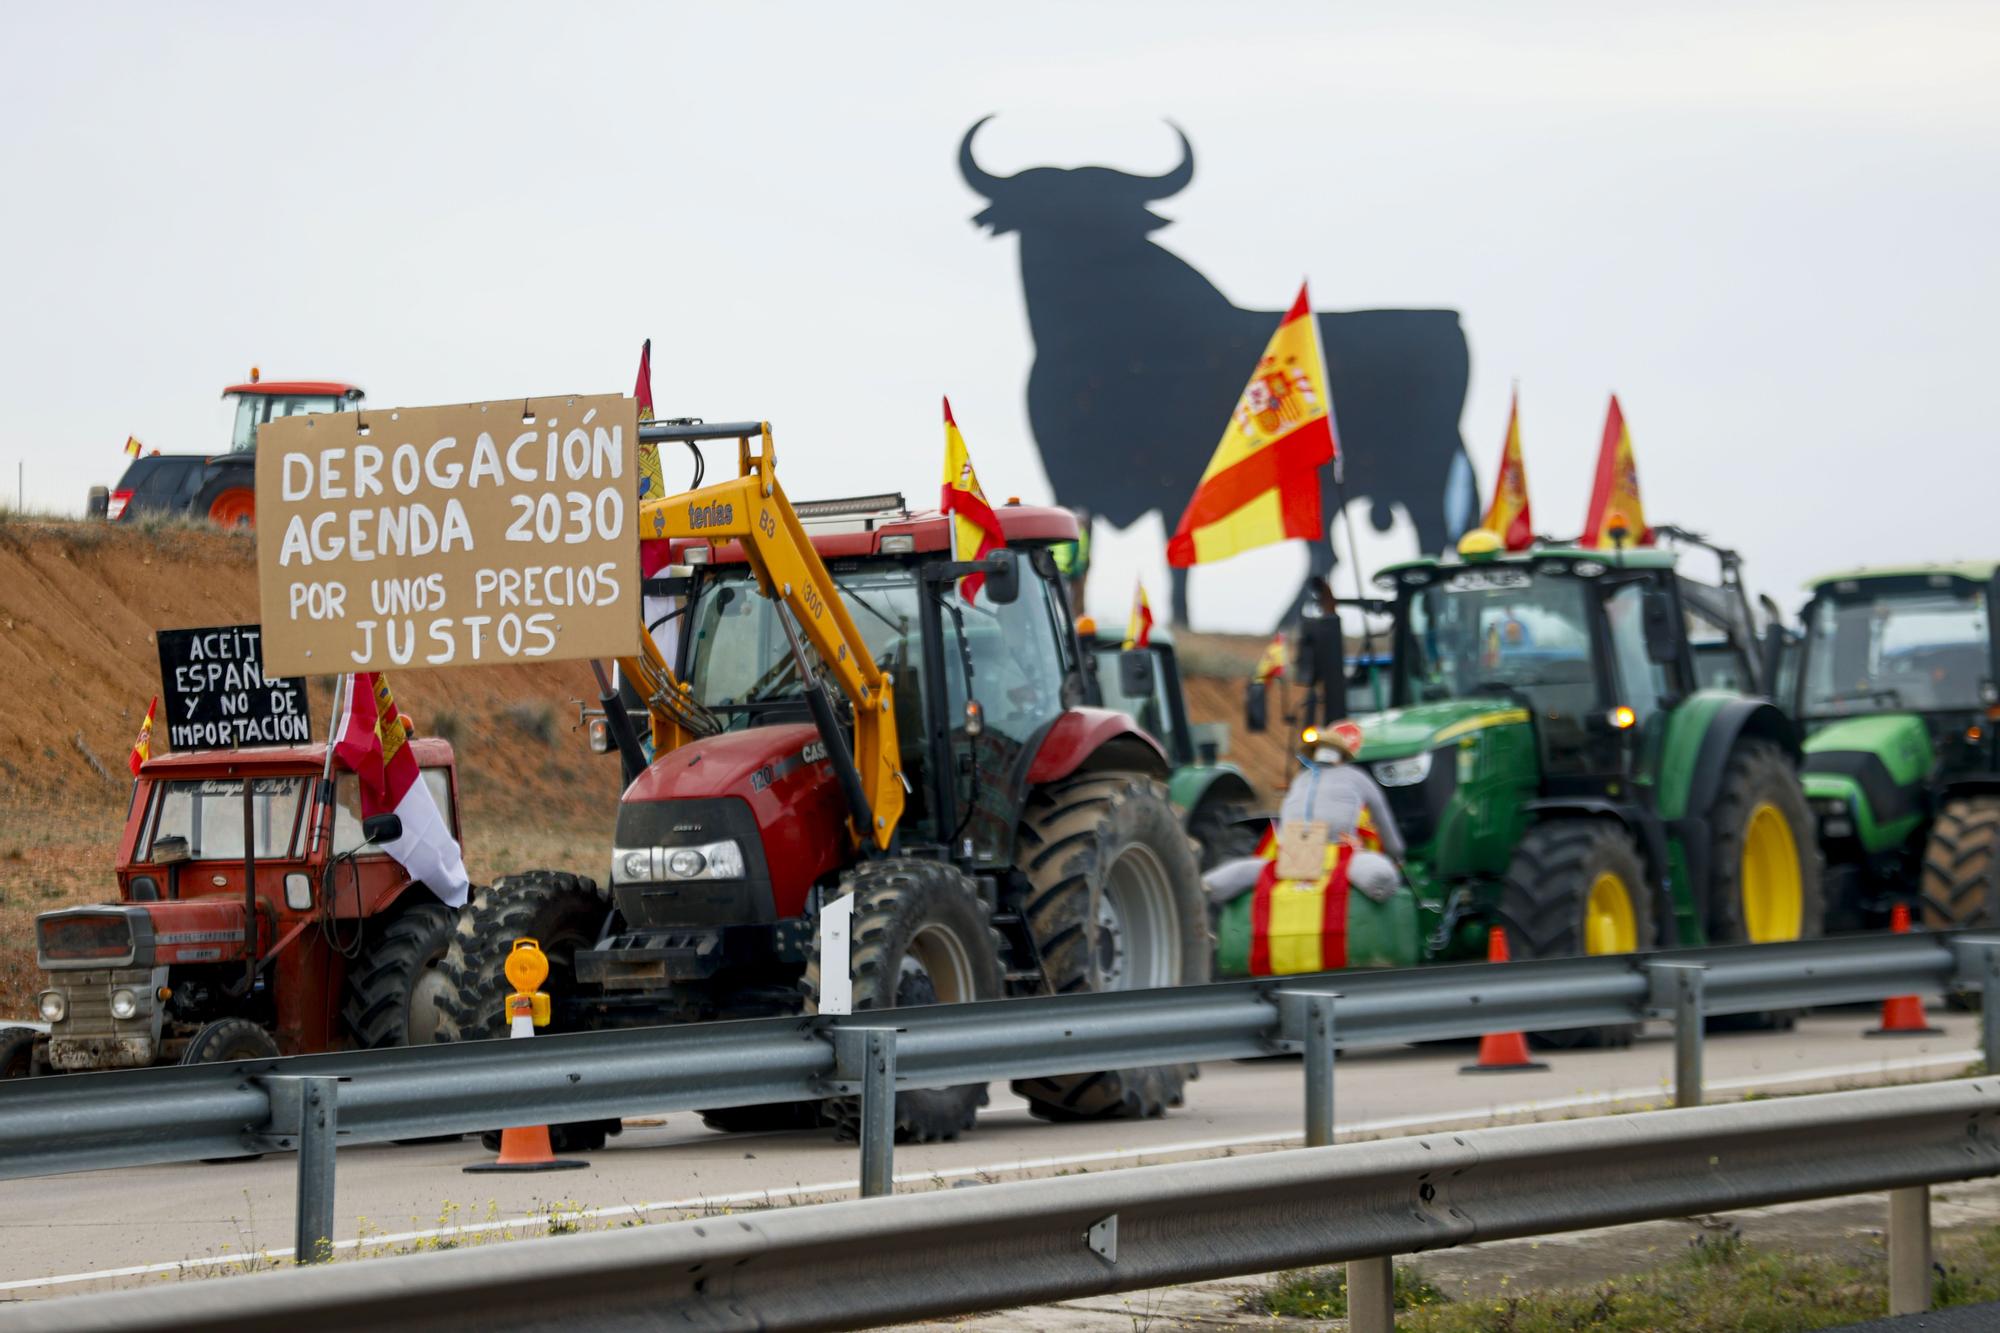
{"x":1272,"y":664}
{"x":652,"y":482}
{"x":1262,"y":485}
{"x":373,"y":742}
{"x":1614,"y":499}
{"x":1508,"y":517}
{"x":1139,"y":627}
{"x":975,"y":530}
{"x":132,"y":446}
{"x":142,"y":749}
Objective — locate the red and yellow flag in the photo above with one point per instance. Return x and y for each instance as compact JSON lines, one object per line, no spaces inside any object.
{"x":1139,"y":625}
{"x":1262,"y":485}
{"x":652,"y":482}
{"x":142,"y":749}
{"x":1272,"y":664}
{"x":1614,"y":499}
{"x":132,"y":446}
{"x":975,"y":529}
{"x":1508,"y":517}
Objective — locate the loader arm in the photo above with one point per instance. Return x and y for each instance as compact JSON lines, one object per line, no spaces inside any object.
{"x":752,"y":509}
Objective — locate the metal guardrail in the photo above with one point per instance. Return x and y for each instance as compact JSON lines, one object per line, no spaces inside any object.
{"x":138,"y":1117}
{"x":879,"y":1261}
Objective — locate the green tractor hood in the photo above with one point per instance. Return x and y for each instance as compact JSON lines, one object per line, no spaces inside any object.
{"x":1401,"y":732}
{"x":1878,"y":766}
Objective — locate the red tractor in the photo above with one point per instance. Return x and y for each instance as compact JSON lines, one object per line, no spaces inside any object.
{"x":343,"y":951}
{"x":832,"y":718}
{"x":221,"y":488}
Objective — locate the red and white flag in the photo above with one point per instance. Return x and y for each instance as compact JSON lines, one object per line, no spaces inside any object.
{"x":374,"y":744}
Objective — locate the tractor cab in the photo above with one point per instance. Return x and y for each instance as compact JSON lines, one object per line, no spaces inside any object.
{"x":259,"y":400}
{"x":1895,"y":679}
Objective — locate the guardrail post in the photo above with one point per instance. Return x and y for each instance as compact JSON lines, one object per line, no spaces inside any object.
{"x":1910,"y":1250}
{"x":868,"y":1055}
{"x":1305,"y":1020}
{"x":1371,"y":1295}
{"x":1988,"y":954}
{"x":1678,"y":989}
{"x":305,"y":1116}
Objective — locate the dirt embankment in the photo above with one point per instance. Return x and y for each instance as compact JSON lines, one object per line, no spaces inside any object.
{"x":79,"y":603}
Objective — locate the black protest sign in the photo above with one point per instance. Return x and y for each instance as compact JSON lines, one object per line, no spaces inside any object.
{"x":217,"y":696}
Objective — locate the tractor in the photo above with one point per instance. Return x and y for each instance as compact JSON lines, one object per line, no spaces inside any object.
{"x":1559,"y":767}
{"x":1216,"y":802}
{"x":1896,"y":682}
{"x":222,"y":487}
{"x":833,"y":714}
{"x":344,"y":947}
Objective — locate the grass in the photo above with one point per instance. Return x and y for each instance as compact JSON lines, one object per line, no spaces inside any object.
{"x":1720,"y":1284}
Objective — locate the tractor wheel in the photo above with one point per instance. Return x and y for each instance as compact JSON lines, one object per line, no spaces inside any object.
{"x":1961,"y":881}
{"x":17,"y":1052}
{"x":227,"y":502}
{"x":1765,"y":877}
{"x":227,"y":1040}
{"x":1114,"y":902}
{"x":920,"y":935}
{"x":563,"y":913}
{"x":1218,"y":827}
{"x":1577,"y":886}
{"x":393,"y":989}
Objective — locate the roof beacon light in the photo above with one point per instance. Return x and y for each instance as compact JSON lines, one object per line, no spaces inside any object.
{"x":255,"y":374}
{"x":1479,"y":544}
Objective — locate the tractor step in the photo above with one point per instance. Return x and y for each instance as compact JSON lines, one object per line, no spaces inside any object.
{"x":1020,"y":960}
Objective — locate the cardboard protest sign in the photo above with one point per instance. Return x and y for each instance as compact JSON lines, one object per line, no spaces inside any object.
{"x":449,"y":536}
{"x":218,"y":696}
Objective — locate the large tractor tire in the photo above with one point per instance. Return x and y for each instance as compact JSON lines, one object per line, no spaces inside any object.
{"x":1578,"y":886}
{"x":1765,"y":871}
{"x":394,"y":988}
{"x":1114,"y":902}
{"x":1961,"y":879}
{"x":17,"y":1052}
{"x":562,"y":913}
{"x":920,"y":935}
{"x":228,"y":502}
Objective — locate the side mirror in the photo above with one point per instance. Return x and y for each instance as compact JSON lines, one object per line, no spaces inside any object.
{"x":1256,"y":707}
{"x":1663,"y":644}
{"x":1135,"y":673}
{"x":1003,"y":577}
{"x":378,"y":829}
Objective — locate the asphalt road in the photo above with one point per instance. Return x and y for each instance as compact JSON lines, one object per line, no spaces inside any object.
{"x":68,"y":1234}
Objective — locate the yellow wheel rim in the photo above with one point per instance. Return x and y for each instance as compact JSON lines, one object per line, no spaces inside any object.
{"x":1773,"y":890}
{"x":1609,"y":924}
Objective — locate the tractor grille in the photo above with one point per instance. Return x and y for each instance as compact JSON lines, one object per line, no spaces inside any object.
{"x":695,"y":902}
{"x":88,"y":1036}
{"x":1420,"y":807}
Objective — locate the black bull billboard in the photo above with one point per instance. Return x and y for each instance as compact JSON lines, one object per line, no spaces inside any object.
{"x":1139,"y":361}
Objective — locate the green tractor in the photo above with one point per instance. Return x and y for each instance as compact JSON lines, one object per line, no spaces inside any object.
{"x":1896,"y":683}
{"x":1215,"y":801}
{"x":1562,"y":762}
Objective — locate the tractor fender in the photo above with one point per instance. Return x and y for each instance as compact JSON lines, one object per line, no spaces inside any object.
{"x":1734,"y":720}
{"x":1701,"y":736}
{"x":1087,"y":739}
{"x":1969,"y":784}
{"x":1195,"y":785}
{"x":1645,"y":827}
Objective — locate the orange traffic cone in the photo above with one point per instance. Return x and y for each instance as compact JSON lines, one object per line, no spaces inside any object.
{"x":1903,"y":1015}
{"x":1501,"y":1052}
{"x":526,"y":1147}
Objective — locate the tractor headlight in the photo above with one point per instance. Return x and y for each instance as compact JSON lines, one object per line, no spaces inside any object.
{"x":649,"y":865}
{"x":1404,"y":772}
{"x":124,"y":1004}
{"x":53,"y":1006}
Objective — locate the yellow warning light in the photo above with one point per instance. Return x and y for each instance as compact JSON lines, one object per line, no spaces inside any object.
{"x":255,"y":374}
{"x":1479,"y":544}
{"x":1623,"y":718}
{"x":1086,"y":626}
{"x":527,"y":966}
{"x":1310,"y":735}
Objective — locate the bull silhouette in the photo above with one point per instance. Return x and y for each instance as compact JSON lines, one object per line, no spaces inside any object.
{"x":1139,"y":361}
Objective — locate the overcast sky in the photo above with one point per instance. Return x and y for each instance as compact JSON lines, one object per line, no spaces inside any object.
{"x":1771,"y":228}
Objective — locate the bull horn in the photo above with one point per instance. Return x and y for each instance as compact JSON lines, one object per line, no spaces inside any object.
{"x":979,"y":180}
{"x":1159,"y":187}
